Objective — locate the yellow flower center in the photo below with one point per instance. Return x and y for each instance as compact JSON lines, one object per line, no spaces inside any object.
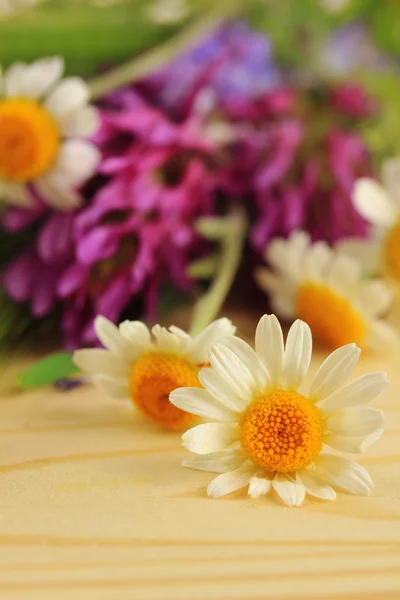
{"x":392,"y":251}
{"x":29,"y":139}
{"x":154,"y":376}
{"x":282,"y":431}
{"x":333,"y":319}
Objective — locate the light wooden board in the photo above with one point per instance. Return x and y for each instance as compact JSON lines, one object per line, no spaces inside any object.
{"x":94,"y":504}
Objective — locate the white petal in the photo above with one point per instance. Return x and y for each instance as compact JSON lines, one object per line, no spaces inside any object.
{"x":297,"y":246}
{"x":82,"y":122}
{"x":284,"y":306}
{"x":291,"y":492}
{"x":297,"y":354}
{"x":259,"y":486}
{"x":391,"y":177}
{"x":334,"y":371}
{"x":316,"y":261}
{"x":15,"y":193}
{"x":112,"y":338}
{"x":184,"y":340}
{"x":165,"y":341}
{"x":276,"y":253}
{"x":287,"y":256}
{"x":180,"y":333}
{"x":214,"y":333}
{"x":271,"y":283}
{"x":360,"y":420}
{"x":117,"y":388}
{"x":374,"y":297}
{"x":102,"y":362}
{"x":56,"y":192}
{"x":14,"y":79}
{"x":345,"y":474}
{"x":366,"y":252}
{"x":70,"y":94}
{"x":352,"y":445}
{"x":314,"y":486}
{"x":109,"y":335}
{"x":381,"y":336}
{"x":199,"y":402}
{"x":361,"y":391}
{"x":40,"y":76}
{"x":216,"y":462}
{"x":210,"y":437}
{"x":249,"y":358}
{"x":231,"y":481}
{"x":77,"y":161}
{"x":270,"y":347}
{"x":374,"y":203}
{"x":344,"y":273}
{"x":136,"y":332}
{"x":235,"y":374}
{"x":299,"y":241}
{"x":220,"y":390}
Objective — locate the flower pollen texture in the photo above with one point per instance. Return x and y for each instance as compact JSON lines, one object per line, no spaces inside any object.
{"x":154,"y":376}
{"x":282,"y":431}
{"x":29,"y":139}
{"x":331,"y":317}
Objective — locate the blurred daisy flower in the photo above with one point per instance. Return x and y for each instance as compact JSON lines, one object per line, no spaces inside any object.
{"x":334,"y":5}
{"x":168,"y":11}
{"x":380,"y":205}
{"x":326,"y":289}
{"x":146,"y":367}
{"x":8,"y":7}
{"x":42,"y":121}
{"x":264,"y":433}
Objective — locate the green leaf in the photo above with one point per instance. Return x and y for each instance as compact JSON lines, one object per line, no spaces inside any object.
{"x":84,"y":34}
{"x":48,"y":370}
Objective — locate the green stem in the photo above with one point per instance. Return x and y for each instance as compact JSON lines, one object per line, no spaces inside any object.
{"x":232,"y":232}
{"x":161,"y":55}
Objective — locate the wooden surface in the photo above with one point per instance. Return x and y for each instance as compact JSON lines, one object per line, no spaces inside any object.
{"x":94,"y":504}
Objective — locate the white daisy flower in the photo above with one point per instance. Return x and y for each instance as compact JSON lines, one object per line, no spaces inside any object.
{"x":146,"y":367}
{"x":326,"y":288}
{"x":42,"y":122}
{"x":380,"y":205}
{"x":263,"y":432}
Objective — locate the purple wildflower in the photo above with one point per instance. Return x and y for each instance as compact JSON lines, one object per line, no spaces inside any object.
{"x":32,"y":277}
{"x":295,"y":167}
{"x":135,"y":233}
{"x":352,"y":100}
{"x":352,"y":48}
{"x":234,"y":62}
{"x":67,"y":384}
{"x":290,"y":157}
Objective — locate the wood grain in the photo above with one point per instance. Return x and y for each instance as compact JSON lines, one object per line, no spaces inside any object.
{"x":94,"y":505}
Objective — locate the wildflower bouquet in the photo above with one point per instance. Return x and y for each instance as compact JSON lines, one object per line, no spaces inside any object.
{"x":119,"y":202}
{"x":180,"y":174}
{"x":171,"y":173}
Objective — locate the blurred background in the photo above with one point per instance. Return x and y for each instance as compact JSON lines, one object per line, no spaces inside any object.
{"x":273,"y":105}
